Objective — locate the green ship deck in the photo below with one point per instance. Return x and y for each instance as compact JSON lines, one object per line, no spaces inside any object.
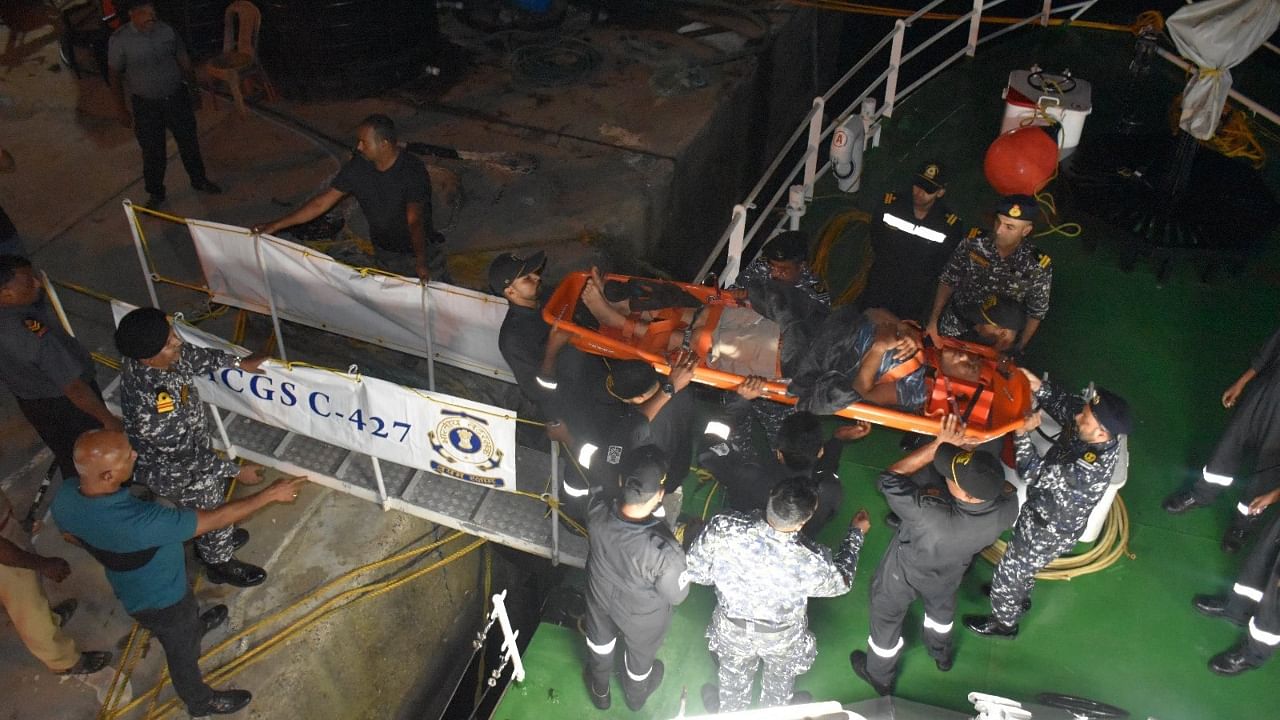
{"x":1127,"y":635}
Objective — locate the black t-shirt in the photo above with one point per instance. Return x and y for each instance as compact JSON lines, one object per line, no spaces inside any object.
{"x":384,"y":196}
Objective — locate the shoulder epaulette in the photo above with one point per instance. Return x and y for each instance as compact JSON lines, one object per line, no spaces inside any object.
{"x":974,"y":232}
{"x":1044,"y":260}
{"x":952,"y":218}
{"x":889,"y":198}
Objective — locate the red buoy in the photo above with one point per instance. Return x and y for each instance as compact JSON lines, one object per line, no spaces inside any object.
{"x":1021,"y":162}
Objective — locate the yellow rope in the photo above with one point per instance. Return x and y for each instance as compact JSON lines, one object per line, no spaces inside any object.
{"x":861,"y":9}
{"x":1050,"y":209}
{"x":359,"y":594}
{"x":1235,"y":139}
{"x":1112,"y":545}
{"x":707,"y":505}
{"x":830,"y":235}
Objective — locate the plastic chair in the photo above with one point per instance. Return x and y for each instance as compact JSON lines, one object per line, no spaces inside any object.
{"x":239,"y":57}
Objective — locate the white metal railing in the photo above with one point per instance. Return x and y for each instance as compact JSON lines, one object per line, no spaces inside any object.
{"x":736,"y":237}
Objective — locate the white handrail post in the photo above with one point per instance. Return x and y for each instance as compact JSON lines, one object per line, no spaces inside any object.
{"x":382,"y":486}
{"x":147,"y":273}
{"x":271,"y":297}
{"x":895,"y":60}
{"x":795,"y":206}
{"x":555,"y":503}
{"x":431,"y":349}
{"x":870,"y":129}
{"x":1044,"y":13}
{"x":975,"y":24}
{"x":733,"y":263}
{"x":815,"y":137}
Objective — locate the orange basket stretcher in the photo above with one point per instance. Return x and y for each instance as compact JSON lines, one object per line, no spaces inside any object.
{"x":993,"y":406}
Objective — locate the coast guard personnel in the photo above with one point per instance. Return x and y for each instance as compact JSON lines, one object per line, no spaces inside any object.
{"x":765,"y":572}
{"x":49,"y":373}
{"x":1062,"y":489}
{"x":166,"y":425}
{"x":1254,"y":600}
{"x":1253,"y":430}
{"x":1003,"y":263}
{"x":911,"y":240}
{"x":939,"y":533}
{"x":635,"y":578}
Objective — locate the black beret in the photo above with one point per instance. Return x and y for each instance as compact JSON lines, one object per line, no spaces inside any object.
{"x":1018,"y":207}
{"x":142,"y":333}
{"x":1112,"y":411}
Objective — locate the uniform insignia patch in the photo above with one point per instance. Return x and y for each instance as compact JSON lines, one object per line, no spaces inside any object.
{"x":164,"y":401}
{"x":952,"y":218}
{"x":614,"y":455}
{"x":930,"y":171}
{"x":889,"y":198}
{"x":977,"y":258}
{"x":1044,"y":260}
{"x":35,"y":326}
{"x":973,"y":233}
{"x":1090,"y":457}
{"x":1015,"y":211}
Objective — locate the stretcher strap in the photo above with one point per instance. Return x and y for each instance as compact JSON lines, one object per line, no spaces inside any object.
{"x":908,"y":366}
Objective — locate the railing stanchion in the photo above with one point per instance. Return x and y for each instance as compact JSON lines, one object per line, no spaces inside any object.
{"x":895,"y":60}
{"x":1045,"y":12}
{"x":815,"y":137}
{"x":975,"y":24}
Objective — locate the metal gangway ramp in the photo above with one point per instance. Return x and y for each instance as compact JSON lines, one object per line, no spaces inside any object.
{"x":524,"y":520}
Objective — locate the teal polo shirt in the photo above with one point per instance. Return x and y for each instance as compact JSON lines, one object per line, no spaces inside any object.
{"x":121,"y":523}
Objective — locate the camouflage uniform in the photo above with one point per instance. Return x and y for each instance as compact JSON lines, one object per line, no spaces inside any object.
{"x":763,"y":581}
{"x":976,"y":271}
{"x":767,"y":413}
{"x":166,"y":424}
{"x":1062,"y":489}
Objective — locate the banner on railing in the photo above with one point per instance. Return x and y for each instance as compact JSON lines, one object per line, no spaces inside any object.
{"x":313,"y":289}
{"x":438,"y":433}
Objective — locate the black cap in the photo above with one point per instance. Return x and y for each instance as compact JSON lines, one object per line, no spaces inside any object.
{"x":929,"y":177}
{"x":1111,"y":410}
{"x":791,"y":245}
{"x":630,"y":378}
{"x":507,"y":267}
{"x":977,"y":473}
{"x":643,"y":472}
{"x":998,"y":310}
{"x":142,"y":333}
{"x":1018,"y":207}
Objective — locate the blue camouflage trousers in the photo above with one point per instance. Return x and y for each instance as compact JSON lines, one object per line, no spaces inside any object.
{"x":786,"y":654}
{"x":1030,"y":549}
{"x":201,"y":485}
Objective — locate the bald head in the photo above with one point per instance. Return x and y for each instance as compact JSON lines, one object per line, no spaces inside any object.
{"x":104,"y":460}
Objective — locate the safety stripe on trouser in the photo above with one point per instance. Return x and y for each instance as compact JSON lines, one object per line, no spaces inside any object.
{"x":572,"y":491}
{"x":717,"y":428}
{"x":1253,"y":594}
{"x":1242,"y":509}
{"x":1262,"y":636}
{"x":1215,"y":478}
{"x":637,"y":678}
{"x":883,"y":652}
{"x":934,"y":625}
{"x":604,"y":649}
{"x":548,"y":384}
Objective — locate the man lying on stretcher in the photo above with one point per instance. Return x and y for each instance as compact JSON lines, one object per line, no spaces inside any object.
{"x":831,"y":358}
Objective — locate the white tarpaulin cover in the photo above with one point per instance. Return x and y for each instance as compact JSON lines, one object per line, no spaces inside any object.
{"x":439,"y":433}
{"x":1217,"y":35}
{"x":313,"y":289}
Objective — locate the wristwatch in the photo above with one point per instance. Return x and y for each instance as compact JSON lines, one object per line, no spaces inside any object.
{"x":668,"y":388}
{"x":236,"y":363}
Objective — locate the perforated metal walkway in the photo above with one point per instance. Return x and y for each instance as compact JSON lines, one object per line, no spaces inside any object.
{"x":506,"y":518}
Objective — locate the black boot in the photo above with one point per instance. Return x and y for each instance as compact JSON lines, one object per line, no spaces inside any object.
{"x":1231,"y":662}
{"x":222,"y":703}
{"x":858,"y":659}
{"x":989,"y":626}
{"x":602,"y":699}
{"x":637,"y":697}
{"x":234,"y":572}
{"x":1180,"y":502}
